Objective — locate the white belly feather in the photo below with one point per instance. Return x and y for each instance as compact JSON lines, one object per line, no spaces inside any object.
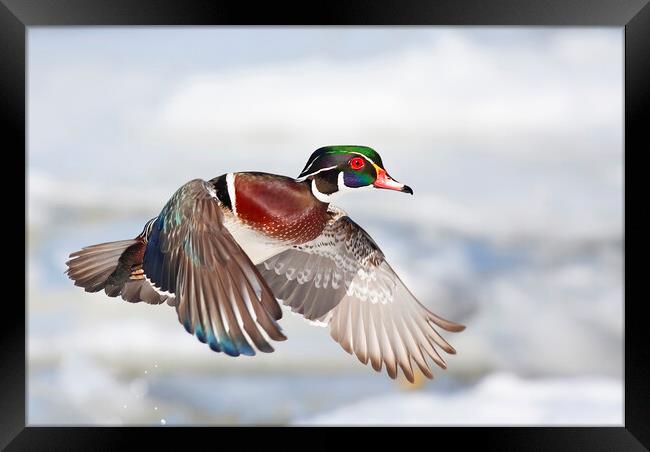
{"x":257,"y":246}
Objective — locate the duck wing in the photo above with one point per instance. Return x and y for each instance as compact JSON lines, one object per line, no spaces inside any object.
{"x":342,"y":280}
{"x":218,"y":292}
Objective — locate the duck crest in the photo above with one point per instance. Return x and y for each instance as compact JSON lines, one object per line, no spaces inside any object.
{"x":278,"y":206}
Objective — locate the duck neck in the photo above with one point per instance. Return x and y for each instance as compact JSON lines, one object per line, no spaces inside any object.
{"x":324,"y":186}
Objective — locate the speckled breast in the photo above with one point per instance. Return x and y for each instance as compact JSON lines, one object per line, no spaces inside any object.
{"x":279,"y":207}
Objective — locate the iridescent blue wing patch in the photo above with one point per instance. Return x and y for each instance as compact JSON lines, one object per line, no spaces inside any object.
{"x":220,"y":296}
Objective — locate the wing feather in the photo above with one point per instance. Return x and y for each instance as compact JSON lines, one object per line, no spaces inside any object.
{"x":193,"y":257}
{"x":342,"y":277}
{"x":359,"y":340}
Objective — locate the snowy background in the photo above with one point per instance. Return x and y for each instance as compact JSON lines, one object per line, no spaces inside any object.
{"x":510,"y":137}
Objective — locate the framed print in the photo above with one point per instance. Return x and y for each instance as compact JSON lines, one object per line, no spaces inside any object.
{"x":364,"y":216}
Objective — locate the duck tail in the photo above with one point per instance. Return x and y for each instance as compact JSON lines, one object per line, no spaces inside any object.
{"x":97,"y":266}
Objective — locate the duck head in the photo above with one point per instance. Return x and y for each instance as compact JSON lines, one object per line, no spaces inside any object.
{"x":334,"y":169}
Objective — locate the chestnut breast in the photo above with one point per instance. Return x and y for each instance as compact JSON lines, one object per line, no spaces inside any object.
{"x":279,"y":207}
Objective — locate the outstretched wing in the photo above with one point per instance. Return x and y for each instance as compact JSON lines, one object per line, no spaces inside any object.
{"x":342,"y":279}
{"x":218,"y":293}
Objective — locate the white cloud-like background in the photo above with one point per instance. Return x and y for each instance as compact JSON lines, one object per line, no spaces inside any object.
{"x":512,"y":139}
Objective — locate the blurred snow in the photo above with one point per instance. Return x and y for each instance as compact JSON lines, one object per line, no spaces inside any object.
{"x":90,"y":394}
{"x":510,"y":137}
{"x":498,"y":400}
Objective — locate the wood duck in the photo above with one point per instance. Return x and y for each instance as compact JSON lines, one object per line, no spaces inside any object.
{"x":224,"y":251}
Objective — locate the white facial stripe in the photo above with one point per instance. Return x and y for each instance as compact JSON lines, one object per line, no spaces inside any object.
{"x":341,"y":183}
{"x":230,"y":185}
{"x":315,"y":172}
{"x":311,"y":163}
{"x":342,"y":188}
{"x":323,"y":197}
{"x":324,"y":169}
{"x":364,"y":156}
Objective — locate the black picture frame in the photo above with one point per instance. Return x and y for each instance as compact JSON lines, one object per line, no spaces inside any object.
{"x":17,"y":15}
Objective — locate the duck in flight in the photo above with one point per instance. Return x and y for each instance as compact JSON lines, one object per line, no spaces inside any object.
{"x":224,"y":251}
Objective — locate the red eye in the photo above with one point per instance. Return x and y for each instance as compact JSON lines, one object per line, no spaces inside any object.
{"x":357,"y":163}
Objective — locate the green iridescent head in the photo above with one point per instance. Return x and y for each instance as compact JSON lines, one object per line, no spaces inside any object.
{"x":333,"y":169}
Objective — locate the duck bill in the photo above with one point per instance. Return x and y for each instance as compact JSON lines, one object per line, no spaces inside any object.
{"x":385,"y":181}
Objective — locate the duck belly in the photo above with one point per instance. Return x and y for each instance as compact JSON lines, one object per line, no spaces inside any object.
{"x":258,"y":246}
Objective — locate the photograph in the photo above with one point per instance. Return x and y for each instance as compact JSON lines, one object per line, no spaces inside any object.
{"x":324,"y":226}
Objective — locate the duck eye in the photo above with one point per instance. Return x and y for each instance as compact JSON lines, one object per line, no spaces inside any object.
{"x":357,"y":163}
